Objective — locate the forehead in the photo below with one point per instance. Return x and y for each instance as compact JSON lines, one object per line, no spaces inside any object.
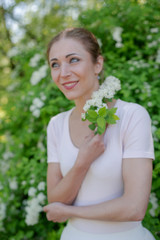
{"x":66,"y":46}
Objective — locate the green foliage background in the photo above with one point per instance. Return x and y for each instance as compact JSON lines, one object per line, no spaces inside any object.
{"x":23,"y":136}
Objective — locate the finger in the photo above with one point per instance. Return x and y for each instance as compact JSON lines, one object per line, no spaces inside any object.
{"x":45,"y":209}
{"x":89,"y":136}
{"x":99,"y":137}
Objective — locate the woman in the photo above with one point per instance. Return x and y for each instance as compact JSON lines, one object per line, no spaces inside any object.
{"x":101,"y":183}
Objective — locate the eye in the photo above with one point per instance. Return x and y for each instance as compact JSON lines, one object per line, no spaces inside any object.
{"x":54,"y":65}
{"x":74,"y":59}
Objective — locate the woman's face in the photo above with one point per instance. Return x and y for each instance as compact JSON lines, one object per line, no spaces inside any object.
{"x":73,"y":70}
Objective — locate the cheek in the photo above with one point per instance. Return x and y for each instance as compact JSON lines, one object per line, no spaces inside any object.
{"x":54,"y":76}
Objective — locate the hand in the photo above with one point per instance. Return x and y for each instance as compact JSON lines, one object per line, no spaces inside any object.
{"x":92,"y":147}
{"x":56,"y":212}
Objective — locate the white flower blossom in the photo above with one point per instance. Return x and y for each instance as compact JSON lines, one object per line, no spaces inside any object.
{"x":142,"y":1}
{"x":35,"y":107}
{"x":38,"y":75}
{"x":37,"y":103}
{"x":41,"y":146}
{"x":138,"y":64}
{"x":31,"y":44}
{"x":137,"y":90}
{"x":35,"y":59}
{"x":8,"y":155}
{"x":106,"y":90}
{"x":32,"y":191}
{"x":23,"y":183}
{"x":119,"y":45}
{"x":2,"y":211}
{"x":13,"y":52}
{"x":131,"y":69}
{"x":36,"y":113}
{"x":147,"y":89}
{"x":30,"y":93}
{"x":13,"y":184}
{"x":42,"y":96}
{"x":4,"y":166}
{"x":149,"y":104}
{"x":41,"y":198}
{"x":153,"y":44}
{"x":158,"y":56}
{"x":11,"y":197}
{"x":99,"y":42}
{"x":153,"y":129}
{"x":155,"y":122}
{"x":41,"y":186}
{"x":33,"y":209}
{"x":32,"y":181}
{"x":42,"y":160}
{"x":149,"y":37}
{"x":116,"y":34}
{"x":154,"y":201}
{"x":12,"y":87}
{"x":83,"y":115}
{"x":154,"y":30}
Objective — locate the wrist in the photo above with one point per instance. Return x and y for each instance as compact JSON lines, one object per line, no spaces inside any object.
{"x":82,"y":164}
{"x":72,"y":211}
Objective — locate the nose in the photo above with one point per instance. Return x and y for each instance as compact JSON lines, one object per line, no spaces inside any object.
{"x":65,"y":70}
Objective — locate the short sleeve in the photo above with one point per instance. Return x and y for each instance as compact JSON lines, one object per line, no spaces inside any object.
{"x":52,"y":155}
{"x":137,"y":140}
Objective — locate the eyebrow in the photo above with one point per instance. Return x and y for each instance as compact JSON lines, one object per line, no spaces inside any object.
{"x":68,"y":55}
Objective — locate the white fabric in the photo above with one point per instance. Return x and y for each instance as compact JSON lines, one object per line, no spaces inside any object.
{"x":137,"y":233}
{"x":130,"y":137}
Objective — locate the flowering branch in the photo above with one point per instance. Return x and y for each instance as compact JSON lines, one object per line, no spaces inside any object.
{"x":96,"y":110}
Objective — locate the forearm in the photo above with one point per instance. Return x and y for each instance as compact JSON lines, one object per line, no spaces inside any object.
{"x":119,"y":209}
{"x":67,"y":188}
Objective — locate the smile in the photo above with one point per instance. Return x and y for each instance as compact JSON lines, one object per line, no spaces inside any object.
{"x":70,"y":85}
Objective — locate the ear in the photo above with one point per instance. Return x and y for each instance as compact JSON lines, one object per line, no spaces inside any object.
{"x":99,"y":65}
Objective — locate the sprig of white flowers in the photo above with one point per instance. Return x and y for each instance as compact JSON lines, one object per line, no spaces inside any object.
{"x":96,"y":110}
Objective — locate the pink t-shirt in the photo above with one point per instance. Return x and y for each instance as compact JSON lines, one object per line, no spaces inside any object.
{"x":130,"y":137}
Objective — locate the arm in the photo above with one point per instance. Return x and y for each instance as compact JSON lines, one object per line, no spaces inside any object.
{"x":65,"y":189}
{"x":131,"y":206}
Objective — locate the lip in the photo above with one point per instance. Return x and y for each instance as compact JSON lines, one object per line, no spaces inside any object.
{"x":70,"y":85}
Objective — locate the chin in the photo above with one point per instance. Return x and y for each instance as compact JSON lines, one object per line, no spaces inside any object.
{"x":72,"y":97}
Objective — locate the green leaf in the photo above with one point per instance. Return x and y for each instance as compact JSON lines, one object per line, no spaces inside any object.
{"x":92,"y":114}
{"x":110,"y":120}
{"x":100,"y":131}
{"x":92,"y":120}
{"x":102,"y":112}
{"x":101,"y":123}
{"x":115,"y":117}
{"x":112,"y":110}
{"x":92,"y":126}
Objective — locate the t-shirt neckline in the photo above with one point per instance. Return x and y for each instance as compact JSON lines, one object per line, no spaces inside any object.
{"x":67,"y":124}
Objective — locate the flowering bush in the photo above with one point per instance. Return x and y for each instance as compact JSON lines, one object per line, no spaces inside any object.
{"x":23,"y":149}
{"x":129,"y":36}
